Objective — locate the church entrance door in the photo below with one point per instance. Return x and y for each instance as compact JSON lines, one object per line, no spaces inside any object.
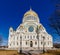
{"x":31,"y":44}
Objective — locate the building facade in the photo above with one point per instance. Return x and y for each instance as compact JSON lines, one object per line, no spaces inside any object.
{"x":30,"y":35}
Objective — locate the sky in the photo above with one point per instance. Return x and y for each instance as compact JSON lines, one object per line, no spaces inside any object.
{"x":12,"y":11}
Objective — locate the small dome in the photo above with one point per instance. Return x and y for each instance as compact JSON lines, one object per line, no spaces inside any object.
{"x":11,"y":28}
{"x":30,"y":12}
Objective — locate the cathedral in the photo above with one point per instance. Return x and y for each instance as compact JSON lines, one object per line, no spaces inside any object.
{"x":30,"y":34}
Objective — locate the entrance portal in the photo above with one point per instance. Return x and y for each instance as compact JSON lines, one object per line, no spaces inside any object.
{"x":31,"y":44}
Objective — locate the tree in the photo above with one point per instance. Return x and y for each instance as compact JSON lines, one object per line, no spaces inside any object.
{"x":1,"y":40}
{"x":55,"y":18}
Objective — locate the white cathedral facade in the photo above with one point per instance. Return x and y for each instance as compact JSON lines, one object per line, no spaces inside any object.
{"x":30,"y":35}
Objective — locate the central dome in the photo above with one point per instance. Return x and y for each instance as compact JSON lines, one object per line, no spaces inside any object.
{"x":30,"y":12}
{"x":30,"y":16}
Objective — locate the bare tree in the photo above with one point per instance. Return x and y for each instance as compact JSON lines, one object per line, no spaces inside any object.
{"x":1,"y":40}
{"x":55,"y":18}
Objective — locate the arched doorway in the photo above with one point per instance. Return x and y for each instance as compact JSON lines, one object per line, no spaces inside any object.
{"x":31,"y":44}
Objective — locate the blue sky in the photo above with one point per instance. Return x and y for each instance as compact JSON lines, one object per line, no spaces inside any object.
{"x":12,"y":11}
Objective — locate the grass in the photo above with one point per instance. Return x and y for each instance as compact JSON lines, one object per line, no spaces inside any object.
{"x":52,"y":52}
{"x":14,"y":52}
{"x":9,"y":52}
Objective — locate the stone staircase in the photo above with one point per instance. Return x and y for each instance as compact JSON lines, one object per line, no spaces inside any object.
{"x":26,"y":53}
{"x":35,"y":52}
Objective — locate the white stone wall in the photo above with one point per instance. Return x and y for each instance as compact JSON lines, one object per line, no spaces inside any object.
{"x":14,"y":40}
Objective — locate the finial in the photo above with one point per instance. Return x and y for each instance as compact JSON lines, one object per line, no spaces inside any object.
{"x":30,"y":8}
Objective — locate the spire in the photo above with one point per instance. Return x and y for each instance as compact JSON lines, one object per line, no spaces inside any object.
{"x":30,"y":8}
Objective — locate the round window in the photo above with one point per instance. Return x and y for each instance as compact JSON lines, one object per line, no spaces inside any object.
{"x":30,"y":29}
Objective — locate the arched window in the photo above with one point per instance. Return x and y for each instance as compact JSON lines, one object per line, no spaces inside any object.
{"x":11,"y":36}
{"x":48,"y":38}
{"x":48,"y":43}
{"x":17,"y":37}
{"x":13,"y":43}
{"x":30,"y":18}
{"x":33,"y":36}
{"x":41,"y":43}
{"x":35,"y":43}
{"x":20,"y":37}
{"x":28,"y":36}
{"x":10,"y":44}
{"x":26,"y":42}
{"x":17,"y":43}
{"x":31,"y":44}
{"x":25,"y":37}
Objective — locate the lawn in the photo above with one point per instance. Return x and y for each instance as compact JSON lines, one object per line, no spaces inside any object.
{"x":14,"y":52}
{"x":52,"y":52}
{"x":9,"y":52}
